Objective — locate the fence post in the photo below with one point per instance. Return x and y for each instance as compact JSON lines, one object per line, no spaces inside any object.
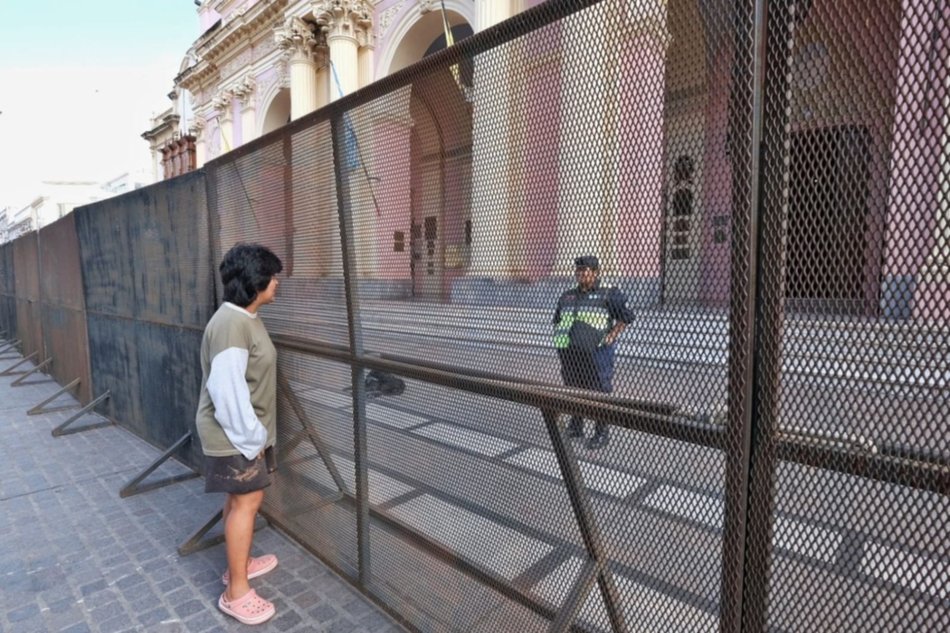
{"x":758,"y":146}
{"x":339,"y":130}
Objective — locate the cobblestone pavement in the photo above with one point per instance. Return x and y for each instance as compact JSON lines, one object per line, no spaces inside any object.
{"x":75,"y":558}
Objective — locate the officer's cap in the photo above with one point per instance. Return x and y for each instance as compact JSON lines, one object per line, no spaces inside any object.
{"x":587,"y":261}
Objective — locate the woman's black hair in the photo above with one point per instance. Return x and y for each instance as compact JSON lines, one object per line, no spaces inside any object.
{"x":247,"y":270}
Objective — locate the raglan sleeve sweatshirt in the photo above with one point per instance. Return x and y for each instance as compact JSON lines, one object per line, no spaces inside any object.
{"x":237,"y":407}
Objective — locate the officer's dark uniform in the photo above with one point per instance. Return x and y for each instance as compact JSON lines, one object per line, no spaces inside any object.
{"x":581,"y":321}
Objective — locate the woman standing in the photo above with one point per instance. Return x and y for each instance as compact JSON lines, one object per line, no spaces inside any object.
{"x":236,"y":417}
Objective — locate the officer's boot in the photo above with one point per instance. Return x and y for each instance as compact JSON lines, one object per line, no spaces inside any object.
{"x":600,"y":438}
{"x":575,"y":428}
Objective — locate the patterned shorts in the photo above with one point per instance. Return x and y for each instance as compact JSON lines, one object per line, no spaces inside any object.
{"x":235,"y":474}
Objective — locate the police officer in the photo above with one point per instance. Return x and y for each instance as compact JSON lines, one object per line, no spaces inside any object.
{"x":587,"y":322}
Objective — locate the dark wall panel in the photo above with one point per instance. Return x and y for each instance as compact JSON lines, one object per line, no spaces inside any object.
{"x":63,"y":308}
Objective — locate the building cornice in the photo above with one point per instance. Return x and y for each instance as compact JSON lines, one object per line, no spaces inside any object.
{"x":216,"y":43}
{"x":169,"y":122}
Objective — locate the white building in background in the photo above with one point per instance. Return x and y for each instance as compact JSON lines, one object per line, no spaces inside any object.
{"x":55,"y":199}
{"x":6,"y":224}
{"x":129,"y":181}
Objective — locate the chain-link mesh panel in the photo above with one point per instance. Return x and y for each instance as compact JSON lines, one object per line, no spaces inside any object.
{"x":314,"y":490}
{"x":283,"y":195}
{"x":857,"y":229}
{"x":63,"y":310}
{"x":471,"y":200}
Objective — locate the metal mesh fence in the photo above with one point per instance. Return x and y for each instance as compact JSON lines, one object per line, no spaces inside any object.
{"x":860,"y":358}
{"x":756,"y":190}
{"x":754,"y":222}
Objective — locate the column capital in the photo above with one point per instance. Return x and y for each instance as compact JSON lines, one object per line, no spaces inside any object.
{"x":349,"y":19}
{"x":244,"y":91}
{"x":198,"y":126}
{"x":222,"y":103}
{"x":297,"y":38}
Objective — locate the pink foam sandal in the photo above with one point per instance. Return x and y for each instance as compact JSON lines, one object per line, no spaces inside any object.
{"x":255,"y":567}
{"x":248,"y":609}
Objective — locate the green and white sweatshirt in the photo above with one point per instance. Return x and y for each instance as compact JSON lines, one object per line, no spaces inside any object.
{"x":237,"y":410}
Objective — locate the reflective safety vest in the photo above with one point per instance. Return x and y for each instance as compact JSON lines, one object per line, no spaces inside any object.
{"x":584,"y":318}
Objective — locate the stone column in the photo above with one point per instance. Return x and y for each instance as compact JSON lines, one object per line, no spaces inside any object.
{"x":490,"y":12}
{"x":201,"y":140}
{"x":344,"y":22}
{"x":367,"y":44}
{"x":491,"y":150}
{"x":298,"y":41}
{"x":611,"y":155}
{"x":913,"y":283}
{"x":244,"y":91}
{"x":323,"y":74}
{"x":222,"y":103}
{"x":634,"y":213}
{"x":932,"y":300}
{"x":583,"y":151}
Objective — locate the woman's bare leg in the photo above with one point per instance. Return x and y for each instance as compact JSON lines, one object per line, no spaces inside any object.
{"x":241,"y":510}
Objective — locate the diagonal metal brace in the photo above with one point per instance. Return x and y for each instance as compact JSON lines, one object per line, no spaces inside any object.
{"x":195,"y":542}
{"x":61,"y":429}
{"x":133,"y":487}
{"x":9,"y":370}
{"x":590,"y":535}
{"x":38,"y":409}
{"x":19,"y":381}
{"x":308,"y":430}
{"x":9,"y":346}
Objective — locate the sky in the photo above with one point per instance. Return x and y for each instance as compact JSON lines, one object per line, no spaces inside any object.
{"x":79,"y":81}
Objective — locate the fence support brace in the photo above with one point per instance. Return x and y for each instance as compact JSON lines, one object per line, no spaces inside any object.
{"x":19,"y":381}
{"x":38,"y":409}
{"x":133,"y":488}
{"x":9,"y":370}
{"x":61,"y":429}
{"x":9,"y":346}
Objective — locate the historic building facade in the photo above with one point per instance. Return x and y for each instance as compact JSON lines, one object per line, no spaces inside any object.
{"x":634,"y":166}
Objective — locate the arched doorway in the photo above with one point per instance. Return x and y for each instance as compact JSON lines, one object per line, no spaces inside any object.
{"x":278,"y":112}
{"x":440,"y":160}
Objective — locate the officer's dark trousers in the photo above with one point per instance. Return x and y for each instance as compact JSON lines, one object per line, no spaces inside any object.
{"x":588,"y":369}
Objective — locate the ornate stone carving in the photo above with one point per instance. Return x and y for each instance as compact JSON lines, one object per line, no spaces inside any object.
{"x":237,"y":63}
{"x":428,"y":5}
{"x":386,"y":17}
{"x":244,"y":91}
{"x":283,"y":71}
{"x":264,"y":46}
{"x":296,"y":38}
{"x":198,"y":126}
{"x":343,"y":18}
{"x":222,"y":103}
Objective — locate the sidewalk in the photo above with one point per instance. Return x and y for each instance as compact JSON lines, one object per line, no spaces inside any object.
{"x":75,"y":558}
